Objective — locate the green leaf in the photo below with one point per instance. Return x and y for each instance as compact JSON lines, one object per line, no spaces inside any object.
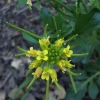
{"x":21,"y":3}
{"x":87,"y":22}
{"x":47,"y":18}
{"x":98,"y":62}
{"x":93,"y":90}
{"x":38,"y":4}
{"x":59,"y":21}
{"x":98,"y":80}
{"x":29,"y":38}
{"x":89,"y":67}
{"x":70,"y":95}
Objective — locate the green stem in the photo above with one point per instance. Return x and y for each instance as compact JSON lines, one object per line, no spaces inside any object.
{"x":47,"y":90}
{"x":58,"y":86}
{"x":84,"y":5}
{"x":72,"y":81}
{"x":91,"y":78}
{"x":57,"y":1}
{"x":45,"y":31}
{"x":31,"y":83}
{"x":84,"y":54}
{"x":71,"y":38}
{"x":72,"y":73}
{"x":21,"y":49}
{"x":21,"y":54}
{"x":28,"y":72}
{"x":22,"y":30}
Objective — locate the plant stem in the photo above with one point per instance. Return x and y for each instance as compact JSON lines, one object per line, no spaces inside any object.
{"x":31,"y":83}
{"x":84,"y":54}
{"x":47,"y":90}
{"x":84,"y":5}
{"x":73,"y":84}
{"x":22,"y":30}
{"x":88,"y":80}
{"x":71,"y":38}
{"x":72,"y":73}
{"x":21,"y":54}
{"x":57,"y":1}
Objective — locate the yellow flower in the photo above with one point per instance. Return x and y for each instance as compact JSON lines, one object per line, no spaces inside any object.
{"x":29,"y":2}
{"x":46,"y":73}
{"x":67,"y":51}
{"x":42,"y":55}
{"x":44,"y":43}
{"x":62,"y":65}
{"x":54,"y":76}
{"x":31,"y":52}
{"x":59,"y":43}
{"x":38,"y":72}
{"x":35,"y":64}
{"x":68,"y":64}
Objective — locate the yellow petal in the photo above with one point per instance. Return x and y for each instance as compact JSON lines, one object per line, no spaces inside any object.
{"x":38,"y":52}
{"x":38,"y":58}
{"x":45,"y":58}
{"x":45,"y":52}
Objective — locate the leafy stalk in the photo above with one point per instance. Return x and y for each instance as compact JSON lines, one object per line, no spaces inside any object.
{"x":72,"y":81}
{"x":47,"y":90}
{"x":25,"y":31}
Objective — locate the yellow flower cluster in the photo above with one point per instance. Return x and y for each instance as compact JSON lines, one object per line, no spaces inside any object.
{"x":49,"y":55}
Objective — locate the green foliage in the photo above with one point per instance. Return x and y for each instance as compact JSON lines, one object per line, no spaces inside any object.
{"x":21,"y":3}
{"x":87,"y":22}
{"x":29,"y":38}
{"x":93,"y":90}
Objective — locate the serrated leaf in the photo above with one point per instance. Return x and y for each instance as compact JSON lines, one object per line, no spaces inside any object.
{"x":93,"y":90}
{"x":87,"y":22}
{"x":21,"y":3}
{"x":29,"y":38}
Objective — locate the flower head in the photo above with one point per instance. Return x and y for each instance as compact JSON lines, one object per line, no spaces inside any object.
{"x":62,"y":65}
{"x":68,"y":64}
{"x":44,"y":43}
{"x":38,"y":72}
{"x":31,"y":52}
{"x":46,"y":73}
{"x":42,"y":55}
{"x":59,"y":43}
{"x":67,"y":52}
{"x":54,"y":76}
{"x":29,"y":2}
{"x":35,"y":64}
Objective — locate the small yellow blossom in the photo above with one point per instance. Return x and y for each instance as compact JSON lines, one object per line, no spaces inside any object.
{"x":35,"y":64}
{"x":59,"y":43}
{"x":68,"y":64}
{"x":29,"y":2}
{"x":46,"y":73}
{"x":42,"y":55}
{"x":62,"y":65}
{"x":54,"y":76}
{"x":31,"y":52}
{"x":44,"y":43}
{"x":38,"y":72}
{"x":67,"y":51}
